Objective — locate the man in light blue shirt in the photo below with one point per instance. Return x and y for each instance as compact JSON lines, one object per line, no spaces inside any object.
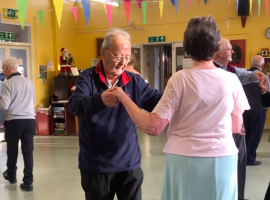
{"x":224,"y":56}
{"x":221,"y":59}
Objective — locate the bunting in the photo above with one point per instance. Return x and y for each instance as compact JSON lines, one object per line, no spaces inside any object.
{"x":198,"y":1}
{"x":161,"y":8}
{"x":237,"y":3}
{"x":172,"y":2}
{"x":175,"y":5}
{"x":58,"y":5}
{"x":127,"y":9}
{"x":266,"y":3}
{"x":144,"y":8}
{"x":86,"y":10}
{"x":188,"y":1}
{"x":118,"y":4}
{"x":259,"y":8}
{"x":22,"y":5}
{"x":205,"y":1}
{"x":74,"y":11}
{"x":104,"y":5}
{"x":20,"y":19}
{"x":109,"y":13}
{"x":139,"y":3}
{"x":40,"y":16}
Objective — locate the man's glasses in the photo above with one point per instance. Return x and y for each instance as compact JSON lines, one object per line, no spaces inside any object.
{"x":228,"y":50}
{"x":120,"y":58}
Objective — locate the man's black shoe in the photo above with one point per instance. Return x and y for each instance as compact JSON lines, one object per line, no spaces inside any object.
{"x":6,"y":176}
{"x":27,"y":187}
{"x":254,"y":163}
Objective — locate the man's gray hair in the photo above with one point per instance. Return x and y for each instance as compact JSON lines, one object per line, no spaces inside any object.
{"x":114,"y":32}
{"x":11,"y":62}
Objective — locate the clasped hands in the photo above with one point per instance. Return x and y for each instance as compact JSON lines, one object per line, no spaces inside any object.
{"x":112,"y":96}
{"x":263,"y":83}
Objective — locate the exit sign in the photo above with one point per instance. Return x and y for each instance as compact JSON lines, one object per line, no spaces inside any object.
{"x":10,"y":13}
{"x":156,"y":39}
{"x":7,"y":36}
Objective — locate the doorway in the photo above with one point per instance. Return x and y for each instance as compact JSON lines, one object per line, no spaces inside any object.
{"x":159,"y":61}
{"x":22,"y":53}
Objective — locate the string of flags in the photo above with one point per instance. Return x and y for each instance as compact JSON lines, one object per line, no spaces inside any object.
{"x":58,"y":5}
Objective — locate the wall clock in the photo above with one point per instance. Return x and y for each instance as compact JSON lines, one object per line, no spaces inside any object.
{"x":267,"y":33}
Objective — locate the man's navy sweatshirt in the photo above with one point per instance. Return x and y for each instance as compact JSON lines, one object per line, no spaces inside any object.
{"x":107,"y":136}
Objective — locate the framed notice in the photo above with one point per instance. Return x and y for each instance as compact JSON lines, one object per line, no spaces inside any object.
{"x":99,"y":42}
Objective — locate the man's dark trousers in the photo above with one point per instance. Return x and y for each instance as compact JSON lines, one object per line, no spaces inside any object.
{"x":126,"y":185}
{"x":254,"y":123}
{"x":242,"y":161}
{"x":24,"y":130}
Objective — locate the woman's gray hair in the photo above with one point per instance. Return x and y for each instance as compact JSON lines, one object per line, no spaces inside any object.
{"x":114,"y":32}
{"x":11,"y":62}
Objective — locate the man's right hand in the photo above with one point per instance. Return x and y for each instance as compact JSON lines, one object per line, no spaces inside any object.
{"x":259,"y":75}
{"x":108,"y":98}
{"x":263,"y":84}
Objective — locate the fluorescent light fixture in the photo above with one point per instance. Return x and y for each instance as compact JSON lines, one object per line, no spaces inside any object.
{"x":109,"y":2}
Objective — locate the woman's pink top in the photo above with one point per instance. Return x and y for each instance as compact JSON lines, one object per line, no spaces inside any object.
{"x":198,"y":104}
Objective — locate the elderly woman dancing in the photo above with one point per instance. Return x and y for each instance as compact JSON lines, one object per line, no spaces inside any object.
{"x":203,"y":105}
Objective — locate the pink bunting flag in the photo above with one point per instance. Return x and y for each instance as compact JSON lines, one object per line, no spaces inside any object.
{"x":198,"y":1}
{"x":109,"y":13}
{"x":188,"y":1}
{"x":74,"y":11}
{"x":139,"y":3}
{"x":127,"y":9}
{"x":266,"y":2}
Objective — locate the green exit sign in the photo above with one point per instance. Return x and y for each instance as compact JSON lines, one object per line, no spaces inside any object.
{"x":156,"y":39}
{"x":10,"y":13}
{"x":7,"y":36}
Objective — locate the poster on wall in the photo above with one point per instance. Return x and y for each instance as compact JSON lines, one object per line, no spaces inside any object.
{"x":50,"y":65}
{"x":20,"y":70}
{"x":43,"y":71}
{"x":20,"y":61}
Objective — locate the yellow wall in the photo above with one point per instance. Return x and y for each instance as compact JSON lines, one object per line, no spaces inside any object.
{"x":50,"y":39}
{"x":173,"y":26}
{"x":45,"y":50}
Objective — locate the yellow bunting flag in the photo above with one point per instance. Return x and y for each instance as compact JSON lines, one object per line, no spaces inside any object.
{"x":22,"y":25}
{"x":58,"y":6}
{"x":161,"y":3}
{"x":105,"y":8}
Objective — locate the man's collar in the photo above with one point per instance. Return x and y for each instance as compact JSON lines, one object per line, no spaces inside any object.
{"x":124,"y":78}
{"x":14,"y":74}
{"x":219,"y":65}
{"x":257,"y":68}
